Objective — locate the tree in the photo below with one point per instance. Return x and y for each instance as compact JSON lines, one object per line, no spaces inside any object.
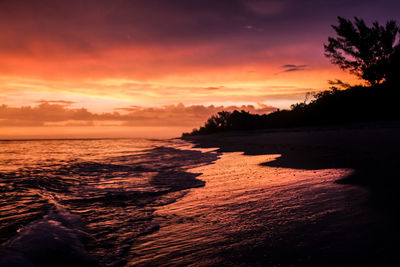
{"x":365,"y":51}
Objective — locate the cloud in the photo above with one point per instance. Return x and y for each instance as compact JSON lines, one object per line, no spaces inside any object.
{"x":181,"y":115}
{"x":142,"y":39}
{"x":183,"y":49}
{"x":49,"y":114}
{"x":293,"y":67}
{"x":44,"y":112}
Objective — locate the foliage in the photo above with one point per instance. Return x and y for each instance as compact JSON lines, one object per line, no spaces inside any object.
{"x":228,"y":121}
{"x":353,"y":105}
{"x":365,"y":51}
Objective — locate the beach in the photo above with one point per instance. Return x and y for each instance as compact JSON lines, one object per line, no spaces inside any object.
{"x":352,"y":179}
{"x":199,"y":133}
{"x":371,"y":149}
{"x":309,"y":196}
{"x":292,"y":197}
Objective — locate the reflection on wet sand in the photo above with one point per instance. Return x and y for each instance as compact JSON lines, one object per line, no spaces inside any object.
{"x":251,"y":214}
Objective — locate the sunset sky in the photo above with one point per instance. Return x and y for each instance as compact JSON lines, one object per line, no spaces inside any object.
{"x":84,"y":64}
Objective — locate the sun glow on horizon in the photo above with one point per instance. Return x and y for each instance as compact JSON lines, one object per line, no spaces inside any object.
{"x":136,"y":54}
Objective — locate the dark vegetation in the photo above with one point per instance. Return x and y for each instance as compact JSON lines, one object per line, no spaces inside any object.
{"x":371,"y":53}
{"x":367,"y":52}
{"x":356,"y":104}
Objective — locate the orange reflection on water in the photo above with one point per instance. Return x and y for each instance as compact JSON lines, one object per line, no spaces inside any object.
{"x":241,"y":206}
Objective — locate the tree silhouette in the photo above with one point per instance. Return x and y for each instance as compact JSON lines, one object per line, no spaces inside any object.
{"x":365,"y":51}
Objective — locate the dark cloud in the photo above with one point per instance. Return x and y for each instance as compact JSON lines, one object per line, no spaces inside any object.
{"x":292,"y":67}
{"x":89,"y":25}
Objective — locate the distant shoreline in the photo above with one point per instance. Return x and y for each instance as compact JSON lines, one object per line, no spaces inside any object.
{"x":337,"y":126}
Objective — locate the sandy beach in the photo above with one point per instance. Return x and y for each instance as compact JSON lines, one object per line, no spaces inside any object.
{"x":371,"y":149}
{"x":299,"y":197}
{"x":340,"y":182}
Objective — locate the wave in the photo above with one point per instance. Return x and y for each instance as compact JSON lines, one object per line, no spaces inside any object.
{"x":55,"y":240}
{"x":79,"y":212}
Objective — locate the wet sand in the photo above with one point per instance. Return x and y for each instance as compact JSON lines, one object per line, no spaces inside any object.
{"x":279,"y":199}
{"x":371,"y":149}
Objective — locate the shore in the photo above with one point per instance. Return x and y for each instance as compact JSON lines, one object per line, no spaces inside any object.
{"x":273,"y":199}
{"x":371,"y":149}
{"x":266,"y":198}
{"x":342,"y":213}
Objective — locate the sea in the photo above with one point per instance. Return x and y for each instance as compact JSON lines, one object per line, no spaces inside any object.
{"x":164,"y":202}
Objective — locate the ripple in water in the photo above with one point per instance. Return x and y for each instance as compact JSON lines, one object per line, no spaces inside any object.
{"x":92,"y":199}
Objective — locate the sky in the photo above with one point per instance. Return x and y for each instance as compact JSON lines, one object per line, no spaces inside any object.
{"x":157,"y":63}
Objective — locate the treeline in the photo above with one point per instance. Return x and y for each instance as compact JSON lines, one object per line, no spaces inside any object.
{"x":370,"y":52}
{"x":335,"y":106}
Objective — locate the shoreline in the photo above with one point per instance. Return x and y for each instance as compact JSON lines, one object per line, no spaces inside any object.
{"x":259,"y":208}
{"x":371,"y":149}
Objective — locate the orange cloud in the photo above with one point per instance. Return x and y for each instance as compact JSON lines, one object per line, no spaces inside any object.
{"x":49,"y":114}
{"x":106,"y":54}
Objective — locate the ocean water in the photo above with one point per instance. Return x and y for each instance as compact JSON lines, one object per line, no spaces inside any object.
{"x":80,"y":202}
{"x":147,"y":202}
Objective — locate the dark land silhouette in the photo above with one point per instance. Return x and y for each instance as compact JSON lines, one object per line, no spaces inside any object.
{"x":370,"y":53}
{"x":353,"y":105}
